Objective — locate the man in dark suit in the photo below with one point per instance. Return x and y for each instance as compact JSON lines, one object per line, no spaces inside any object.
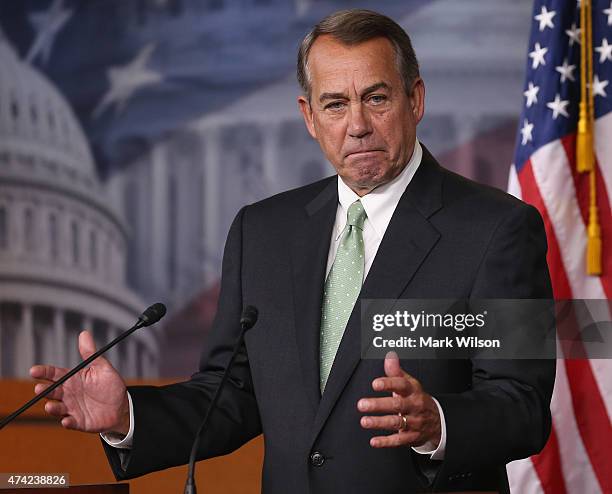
{"x":393,"y":224}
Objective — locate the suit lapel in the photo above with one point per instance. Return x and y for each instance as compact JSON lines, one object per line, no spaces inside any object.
{"x":407,"y":241}
{"x":309,"y":259}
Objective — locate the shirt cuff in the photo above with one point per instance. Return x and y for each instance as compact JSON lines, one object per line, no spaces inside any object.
{"x":429,"y":447}
{"x":118,"y":440}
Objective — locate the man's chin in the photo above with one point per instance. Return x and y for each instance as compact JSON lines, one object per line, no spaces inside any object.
{"x":362,"y":185}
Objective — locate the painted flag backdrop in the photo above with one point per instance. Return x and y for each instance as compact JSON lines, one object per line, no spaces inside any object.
{"x":140,"y":127}
{"x":544,"y":174}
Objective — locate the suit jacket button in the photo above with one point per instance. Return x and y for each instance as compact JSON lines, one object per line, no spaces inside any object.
{"x":317,"y":459}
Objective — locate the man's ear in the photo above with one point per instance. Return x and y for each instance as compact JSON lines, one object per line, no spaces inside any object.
{"x":417,"y":99}
{"x":307,"y":114}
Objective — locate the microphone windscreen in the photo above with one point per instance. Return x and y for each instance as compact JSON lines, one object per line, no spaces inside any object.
{"x":249,"y":317}
{"x":153,"y":314}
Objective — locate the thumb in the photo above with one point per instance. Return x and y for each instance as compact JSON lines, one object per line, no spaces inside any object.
{"x":392,"y":365}
{"x":87,"y":346}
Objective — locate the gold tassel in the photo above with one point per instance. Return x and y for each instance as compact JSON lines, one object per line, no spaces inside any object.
{"x":593,"y":257}
{"x":594,"y":245}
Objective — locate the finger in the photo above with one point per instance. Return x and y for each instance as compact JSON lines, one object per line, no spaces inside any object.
{"x":392,"y":365}
{"x":87,"y":346}
{"x":393,"y":369}
{"x":56,"y":394}
{"x":386,"y":422}
{"x":47,"y":372}
{"x":392,"y":423}
{"x":56,"y":408}
{"x":400,"y":385}
{"x":69,"y":422}
{"x":388,"y":404}
{"x":403,"y":438}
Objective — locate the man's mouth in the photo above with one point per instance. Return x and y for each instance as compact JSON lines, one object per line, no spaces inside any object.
{"x":363,"y":153}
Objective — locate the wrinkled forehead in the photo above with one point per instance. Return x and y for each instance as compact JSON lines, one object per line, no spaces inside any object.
{"x":336,"y":66}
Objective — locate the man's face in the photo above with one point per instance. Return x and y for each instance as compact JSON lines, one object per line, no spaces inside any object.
{"x":359,"y":111}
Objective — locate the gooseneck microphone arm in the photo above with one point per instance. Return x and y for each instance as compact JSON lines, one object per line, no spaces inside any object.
{"x":247,"y":321}
{"x":147,"y":318}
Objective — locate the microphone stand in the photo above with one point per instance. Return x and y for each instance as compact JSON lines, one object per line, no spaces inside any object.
{"x":247,"y":321}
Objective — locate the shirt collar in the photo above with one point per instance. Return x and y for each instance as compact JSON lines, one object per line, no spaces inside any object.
{"x":380,"y":203}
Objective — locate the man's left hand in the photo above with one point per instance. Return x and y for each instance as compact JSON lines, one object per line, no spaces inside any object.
{"x":409,"y":411}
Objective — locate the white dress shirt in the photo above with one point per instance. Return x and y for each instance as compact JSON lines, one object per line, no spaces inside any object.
{"x":117,"y":440}
{"x":379,"y":205}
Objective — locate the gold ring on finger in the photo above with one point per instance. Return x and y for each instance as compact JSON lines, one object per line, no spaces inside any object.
{"x":404,"y":422}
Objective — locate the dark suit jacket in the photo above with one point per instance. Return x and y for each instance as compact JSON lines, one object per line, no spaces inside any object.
{"x":448,"y":238}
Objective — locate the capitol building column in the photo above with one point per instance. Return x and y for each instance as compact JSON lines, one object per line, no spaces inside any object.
{"x":113,"y":354}
{"x":15,"y":229}
{"x":26,"y":336}
{"x":159,"y":207}
{"x":44,"y":237}
{"x":130,"y":368}
{"x":271,"y":145}
{"x":72,"y":351}
{"x":149,"y":367}
{"x":211,"y":200}
{"x":59,"y":331}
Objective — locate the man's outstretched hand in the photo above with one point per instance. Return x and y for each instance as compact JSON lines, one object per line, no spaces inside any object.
{"x":93,"y":400}
{"x":420,"y":423}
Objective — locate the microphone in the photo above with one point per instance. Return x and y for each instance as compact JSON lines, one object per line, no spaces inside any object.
{"x":248,"y":317}
{"x":247,"y":321}
{"x":147,"y":318}
{"x":152,"y":314}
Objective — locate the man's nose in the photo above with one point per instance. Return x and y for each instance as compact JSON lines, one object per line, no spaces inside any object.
{"x":359,"y":124}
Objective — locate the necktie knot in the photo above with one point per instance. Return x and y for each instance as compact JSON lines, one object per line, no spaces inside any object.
{"x":356,"y":215}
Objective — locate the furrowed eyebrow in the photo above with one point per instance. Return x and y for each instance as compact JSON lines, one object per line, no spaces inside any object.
{"x":368,"y":90}
{"x":325,"y":96}
{"x":375,"y":87}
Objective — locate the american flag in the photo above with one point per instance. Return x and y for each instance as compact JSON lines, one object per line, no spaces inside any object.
{"x":576,"y":457}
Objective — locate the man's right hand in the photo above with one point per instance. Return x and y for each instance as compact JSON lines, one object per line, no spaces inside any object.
{"x":93,"y":400}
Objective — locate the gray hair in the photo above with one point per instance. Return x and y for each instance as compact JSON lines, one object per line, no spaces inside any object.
{"x":355,"y":26}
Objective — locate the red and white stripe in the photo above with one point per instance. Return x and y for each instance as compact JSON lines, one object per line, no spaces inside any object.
{"x":576,"y":458}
